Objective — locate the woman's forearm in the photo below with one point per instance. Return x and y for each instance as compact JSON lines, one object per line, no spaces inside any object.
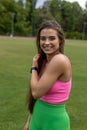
{"x":34,"y":75}
{"x":34,"y":78}
{"x":29,"y":117}
{"x":34,"y":83}
{"x":27,"y":123}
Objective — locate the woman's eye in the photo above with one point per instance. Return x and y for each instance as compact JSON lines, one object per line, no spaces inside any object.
{"x":43,"y":38}
{"x":52,"y":38}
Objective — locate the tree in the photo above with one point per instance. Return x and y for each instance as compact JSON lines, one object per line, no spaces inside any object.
{"x":6,"y":9}
{"x":21,"y":25}
{"x":26,"y":19}
{"x":55,"y":9}
{"x":13,"y":17}
{"x":70,"y":17}
{"x":30,"y":15}
{"x":84,"y":22}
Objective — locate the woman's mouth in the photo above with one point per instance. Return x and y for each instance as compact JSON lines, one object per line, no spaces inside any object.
{"x":47,"y":48}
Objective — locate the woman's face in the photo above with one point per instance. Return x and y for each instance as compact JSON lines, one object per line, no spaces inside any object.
{"x":49,"y":41}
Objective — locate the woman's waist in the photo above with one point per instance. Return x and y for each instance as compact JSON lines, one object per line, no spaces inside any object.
{"x":47,"y":108}
{"x":54,"y":102}
{"x":50,"y":105}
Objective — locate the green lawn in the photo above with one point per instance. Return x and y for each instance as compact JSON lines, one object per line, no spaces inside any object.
{"x":15,"y":60}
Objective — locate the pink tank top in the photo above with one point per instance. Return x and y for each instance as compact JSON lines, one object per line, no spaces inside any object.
{"x":58,"y":93}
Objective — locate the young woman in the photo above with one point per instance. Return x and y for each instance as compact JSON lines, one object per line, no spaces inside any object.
{"x":51,"y":77}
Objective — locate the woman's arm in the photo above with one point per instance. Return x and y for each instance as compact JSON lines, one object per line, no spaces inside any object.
{"x":53,"y":71}
{"x":27,"y":123}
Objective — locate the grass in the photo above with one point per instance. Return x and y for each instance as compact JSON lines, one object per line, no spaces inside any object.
{"x":77,"y":51}
{"x":15,"y":60}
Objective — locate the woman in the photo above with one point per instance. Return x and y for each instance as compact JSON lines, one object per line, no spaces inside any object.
{"x":51,"y":77}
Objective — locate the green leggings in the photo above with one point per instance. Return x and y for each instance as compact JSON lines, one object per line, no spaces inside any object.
{"x":49,"y":117}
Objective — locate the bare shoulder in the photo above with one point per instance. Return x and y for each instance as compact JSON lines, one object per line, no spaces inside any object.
{"x":61,"y":65}
{"x":61,"y":59}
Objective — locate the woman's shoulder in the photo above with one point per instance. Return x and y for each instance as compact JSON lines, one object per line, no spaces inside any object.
{"x":60,"y":58}
{"x":60,"y":62}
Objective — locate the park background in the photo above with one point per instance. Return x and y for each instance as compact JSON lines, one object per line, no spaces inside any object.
{"x":17,"y":47}
{"x":22,"y":17}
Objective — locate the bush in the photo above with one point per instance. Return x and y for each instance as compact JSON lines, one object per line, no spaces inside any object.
{"x":74,"y":35}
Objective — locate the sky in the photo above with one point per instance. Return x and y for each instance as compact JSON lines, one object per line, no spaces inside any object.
{"x":81,"y":2}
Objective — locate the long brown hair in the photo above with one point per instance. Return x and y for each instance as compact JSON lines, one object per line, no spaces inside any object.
{"x":47,"y":24}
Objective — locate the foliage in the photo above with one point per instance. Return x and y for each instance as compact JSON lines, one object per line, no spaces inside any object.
{"x":73,"y":35}
{"x":19,"y":18}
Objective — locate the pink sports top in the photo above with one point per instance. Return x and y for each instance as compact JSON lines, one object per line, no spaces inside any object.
{"x":58,"y":93}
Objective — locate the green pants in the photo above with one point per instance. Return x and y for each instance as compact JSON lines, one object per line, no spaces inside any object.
{"x":49,"y":117}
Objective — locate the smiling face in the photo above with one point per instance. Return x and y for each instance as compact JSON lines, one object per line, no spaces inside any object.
{"x":49,"y":41}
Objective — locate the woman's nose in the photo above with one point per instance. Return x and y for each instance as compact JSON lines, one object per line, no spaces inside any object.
{"x":47,"y":41}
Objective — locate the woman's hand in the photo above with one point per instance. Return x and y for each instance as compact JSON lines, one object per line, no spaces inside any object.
{"x":27,"y":123}
{"x":26,"y":126}
{"x":35,"y":60}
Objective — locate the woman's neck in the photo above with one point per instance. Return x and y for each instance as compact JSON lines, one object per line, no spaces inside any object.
{"x":50,"y":56}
